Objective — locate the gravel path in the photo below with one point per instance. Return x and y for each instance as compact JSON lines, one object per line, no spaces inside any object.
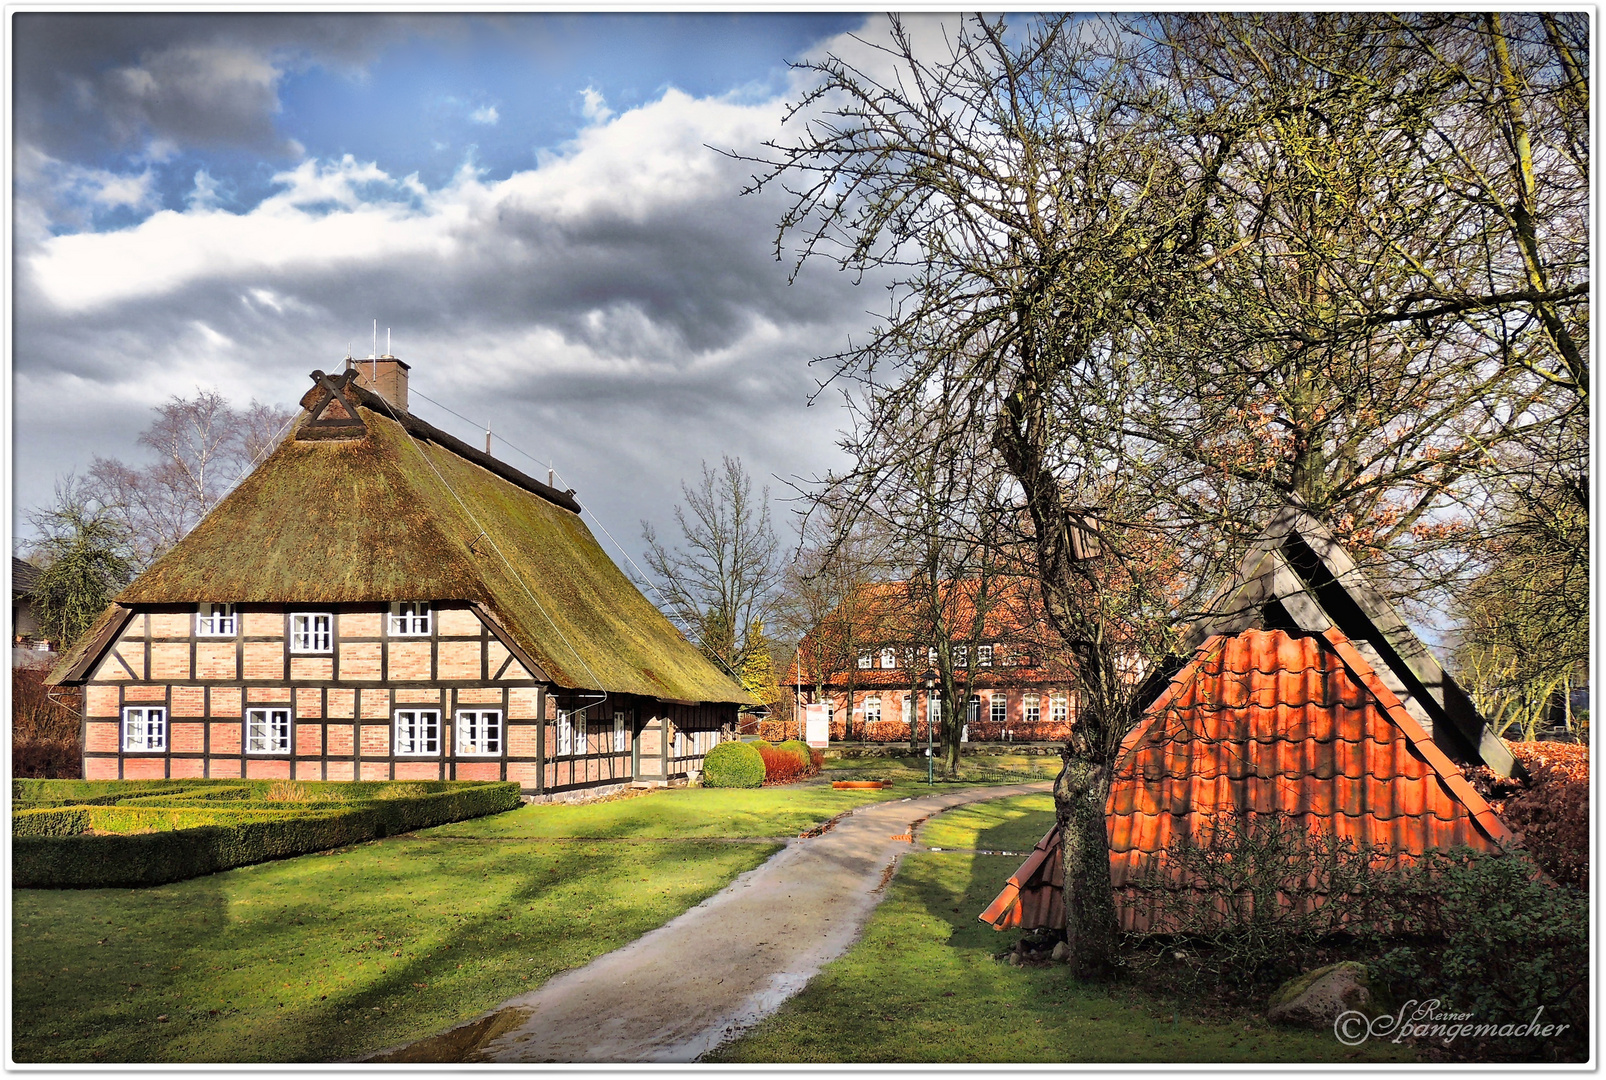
{"x":716,"y":970}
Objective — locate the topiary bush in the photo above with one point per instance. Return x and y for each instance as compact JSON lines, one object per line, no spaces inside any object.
{"x":804,"y":754}
{"x":733,"y":765}
{"x":781,"y":766}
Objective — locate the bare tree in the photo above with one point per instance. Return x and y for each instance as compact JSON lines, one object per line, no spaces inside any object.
{"x":1188,"y":269}
{"x":721,"y":581}
{"x":204,"y":448}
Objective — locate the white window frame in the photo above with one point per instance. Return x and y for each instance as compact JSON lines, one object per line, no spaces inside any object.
{"x":307,"y":637}
{"x":872,"y":710}
{"x":984,"y":656}
{"x":889,"y":659}
{"x":216,"y":620}
{"x":973,"y":709}
{"x":866,"y":659}
{"x":909,"y":656}
{"x":962,"y":656}
{"x":411,"y":618}
{"x":934,"y":708}
{"x":1031,"y":708}
{"x":479,"y":732}
{"x":1059,"y":708}
{"x":999,"y":710}
{"x":909,"y":709}
{"x":272,"y":730}
{"x":425,"y":727}
{"x":623,"y":721}
{"x":931,"y":656}
{"x":145,"y":728}
{"x":565,"y":725}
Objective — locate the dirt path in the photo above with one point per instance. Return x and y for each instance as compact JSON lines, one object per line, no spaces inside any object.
{"x":716,"y":970}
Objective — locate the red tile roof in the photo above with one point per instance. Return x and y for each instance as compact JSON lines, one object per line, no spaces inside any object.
{"x":1267,"y":722}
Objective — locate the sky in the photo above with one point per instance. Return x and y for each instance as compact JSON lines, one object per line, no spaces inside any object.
{"x":532,"y":206}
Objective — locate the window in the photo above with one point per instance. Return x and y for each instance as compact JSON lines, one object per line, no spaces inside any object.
{"x":933,"y":709}
{"x":889,"y":658}
{"x":310,"y":632}
{"x":962,"y":656}
{"x":623,"y":721}
{"x":215,"y":620}
{"x":973,"y":712}
{"x":909,"y":657}
{"x":267,"y":731}
{"x":909,"y":709}
{"x":418,"y":731}
{"x":931,"y":656}
{"x":580,"y":745}
{"x":872,"y":710}
{"x":565,"y":732}
{"x":864,"y":658}
{"x":984,"y":656}
{"x":410,"y":619}
{"x":1031,"y":708}
{"x":1000,"y":709}
{"x":145,"y":728}
{"x":1058,"y":708}
{"x":479,"y":731}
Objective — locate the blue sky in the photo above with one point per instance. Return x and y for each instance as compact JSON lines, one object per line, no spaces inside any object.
{"x":529,"y":202}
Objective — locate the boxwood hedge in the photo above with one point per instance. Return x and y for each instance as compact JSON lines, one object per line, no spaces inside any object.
{"x":137,"y":845}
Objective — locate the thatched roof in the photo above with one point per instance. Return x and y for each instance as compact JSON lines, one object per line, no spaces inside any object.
{"x":397,"y":514}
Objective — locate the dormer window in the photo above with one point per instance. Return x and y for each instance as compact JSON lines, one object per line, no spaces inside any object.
{"x":962,"y":656}
{"x":410,"y":619}
{"x":864,"y":659}
{"x":889,"y":658}
{"x":311,"y":632}
{"x":984,"y":656}
{"x":215,"y":620}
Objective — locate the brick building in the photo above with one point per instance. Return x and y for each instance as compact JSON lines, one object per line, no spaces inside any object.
{"x":869,"y":668}
{"x":379,"y":600}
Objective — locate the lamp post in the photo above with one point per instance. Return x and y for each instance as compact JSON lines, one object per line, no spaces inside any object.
{"x":931,"y":684}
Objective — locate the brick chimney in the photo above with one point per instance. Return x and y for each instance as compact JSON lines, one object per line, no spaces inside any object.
{"x":385,"y":376}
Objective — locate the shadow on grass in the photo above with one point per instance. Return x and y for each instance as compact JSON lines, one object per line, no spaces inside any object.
{"x":327,"y":957}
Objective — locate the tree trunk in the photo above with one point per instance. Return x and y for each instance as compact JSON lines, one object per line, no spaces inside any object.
{"x":1080,"y":792}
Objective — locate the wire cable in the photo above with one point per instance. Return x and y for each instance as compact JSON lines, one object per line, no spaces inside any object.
{"x":596,"y":679}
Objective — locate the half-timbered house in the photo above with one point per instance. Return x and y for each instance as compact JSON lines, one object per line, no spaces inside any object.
{"x":379,"y":600}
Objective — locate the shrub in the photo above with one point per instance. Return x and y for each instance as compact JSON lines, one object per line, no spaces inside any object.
{"x":1549,"y":810}
{"x":804,"y":754}
{"x":47,"y":759}
{"x":151,"y":845}
{"x":40,"y":713}
{"x":781,"y":766}
{"x":733,"y":765}
{"x":1488,"y":935}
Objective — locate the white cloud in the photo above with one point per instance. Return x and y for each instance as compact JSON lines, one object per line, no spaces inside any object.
{"x":204,"y":195}
{"x":486,"y":114}
{"x":593,"y":106}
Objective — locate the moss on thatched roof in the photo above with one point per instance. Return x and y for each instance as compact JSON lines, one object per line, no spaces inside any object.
{"x":393,"y":516}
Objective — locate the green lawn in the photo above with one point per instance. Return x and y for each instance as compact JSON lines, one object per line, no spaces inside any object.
{"x":923,"y":985}
{"x":679,"y":812}
{"x":1013,"y":824}
{"x":973,"y":769}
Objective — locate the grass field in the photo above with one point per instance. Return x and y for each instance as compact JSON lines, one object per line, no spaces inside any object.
{"x":679,"y":812}
{"x":973,"y":769}
{"x":326,"y":957}
{"x":923,"y":985}
{"x":1013,"y":824}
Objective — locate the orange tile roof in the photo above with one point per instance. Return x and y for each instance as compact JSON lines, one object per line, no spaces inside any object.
{"x":1267,"y":722}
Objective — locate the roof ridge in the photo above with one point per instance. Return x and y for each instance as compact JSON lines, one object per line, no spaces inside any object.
{"x":423,"y":429}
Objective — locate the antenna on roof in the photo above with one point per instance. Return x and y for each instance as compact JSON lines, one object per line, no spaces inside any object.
{"x":487,"y":436}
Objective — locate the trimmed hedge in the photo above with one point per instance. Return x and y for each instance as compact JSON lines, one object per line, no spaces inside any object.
{"x":801,"y":749}
{"x":51,"y":850}
{"x":733,"y":765}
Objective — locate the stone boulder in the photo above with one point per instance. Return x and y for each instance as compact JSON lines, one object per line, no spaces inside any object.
{"x":1316,"y":998}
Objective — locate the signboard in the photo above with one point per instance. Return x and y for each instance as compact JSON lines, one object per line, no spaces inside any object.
{"x":817,"y":726}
